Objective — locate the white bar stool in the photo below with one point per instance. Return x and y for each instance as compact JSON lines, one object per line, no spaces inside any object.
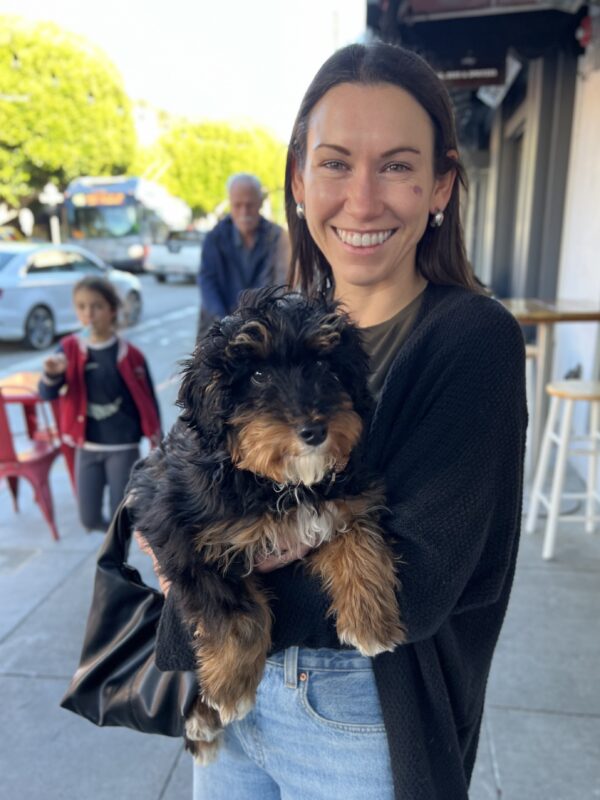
{"x":531,"y":354}
{"x":566,"y":394}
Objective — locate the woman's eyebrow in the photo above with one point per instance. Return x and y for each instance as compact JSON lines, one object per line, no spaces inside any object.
{"x":405,"y":149}
{"x":394,"y":151}
{"x":336,"y":147}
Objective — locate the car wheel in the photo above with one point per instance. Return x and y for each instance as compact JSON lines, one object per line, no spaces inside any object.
{"x":39,"y":328}
{"x":132,"y":309}
{"x":160,"y":278}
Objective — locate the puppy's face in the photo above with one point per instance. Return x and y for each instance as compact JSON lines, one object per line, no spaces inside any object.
{"x":282,"y":385}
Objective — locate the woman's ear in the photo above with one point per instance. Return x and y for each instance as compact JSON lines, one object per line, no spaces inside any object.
{"x":297,"y":182}
{"x":443,"y":186}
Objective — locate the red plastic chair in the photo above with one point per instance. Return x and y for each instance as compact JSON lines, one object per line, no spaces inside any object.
{"x":34,"y":463}
{"x":42,"y":434}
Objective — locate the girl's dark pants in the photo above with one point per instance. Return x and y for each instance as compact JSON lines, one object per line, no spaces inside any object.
{"x":94,"y":470}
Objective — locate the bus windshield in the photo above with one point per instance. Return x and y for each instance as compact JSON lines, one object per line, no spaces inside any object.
{"x":113,"y":222}
{"x":118,"y":217}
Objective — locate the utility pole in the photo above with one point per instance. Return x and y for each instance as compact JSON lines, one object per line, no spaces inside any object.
{"x":52,"y":198}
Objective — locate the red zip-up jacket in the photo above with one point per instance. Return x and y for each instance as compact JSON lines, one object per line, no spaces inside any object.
{"x":132,"y":368}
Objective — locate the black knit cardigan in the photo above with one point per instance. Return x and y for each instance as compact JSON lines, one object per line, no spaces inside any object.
{"x":448,"y":435}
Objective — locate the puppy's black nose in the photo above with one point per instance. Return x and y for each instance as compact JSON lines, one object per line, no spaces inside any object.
{"x":314,"y":433}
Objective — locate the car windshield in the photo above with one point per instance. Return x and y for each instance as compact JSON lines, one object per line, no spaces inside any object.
{"x":111,"y":222}
{"x":5,"y":258}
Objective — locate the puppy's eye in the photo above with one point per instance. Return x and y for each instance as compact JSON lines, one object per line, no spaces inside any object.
{"x":259,"y":377}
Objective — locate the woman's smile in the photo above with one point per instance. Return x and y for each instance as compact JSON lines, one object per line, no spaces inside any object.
{"x":367,"y":241}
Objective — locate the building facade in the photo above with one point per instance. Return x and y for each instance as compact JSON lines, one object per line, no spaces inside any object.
{"x":524,"y":76}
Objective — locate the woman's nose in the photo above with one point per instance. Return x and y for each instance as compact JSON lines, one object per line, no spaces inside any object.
{"x":363,"y":200}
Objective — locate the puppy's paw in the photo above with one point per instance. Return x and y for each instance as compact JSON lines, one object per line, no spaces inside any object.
{"x":367,"y":643}
{"x":377,"y":629}
{"x":230,"y":709}
{"x":204,"y":753}
{"x":203,"y":724}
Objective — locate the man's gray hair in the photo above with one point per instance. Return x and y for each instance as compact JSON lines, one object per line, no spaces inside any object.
{"x":247,"y":178}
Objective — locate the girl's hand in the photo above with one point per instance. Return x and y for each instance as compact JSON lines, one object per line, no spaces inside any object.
{"x":165,"y":585}
{"x":55,"y":365}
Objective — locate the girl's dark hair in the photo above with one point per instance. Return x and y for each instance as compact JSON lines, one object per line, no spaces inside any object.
{"x":101,"y":285}
{"x":441,"y":256}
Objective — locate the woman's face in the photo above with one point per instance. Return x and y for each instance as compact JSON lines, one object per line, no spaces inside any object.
{"x":368,"y":184}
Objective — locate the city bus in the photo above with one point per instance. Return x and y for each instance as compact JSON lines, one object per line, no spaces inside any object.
{"x":118,"y":218}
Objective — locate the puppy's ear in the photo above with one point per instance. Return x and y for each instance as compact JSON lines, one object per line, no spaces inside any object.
{"x":340,"y":340}
{"x":203,"y":393}
{"x":326,"y":334}
{"x":251,"y":340}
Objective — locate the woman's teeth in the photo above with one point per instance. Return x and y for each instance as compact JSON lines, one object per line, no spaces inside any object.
{"x":363,"y":239}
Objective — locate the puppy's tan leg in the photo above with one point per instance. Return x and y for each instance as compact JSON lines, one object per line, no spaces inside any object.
{"x":232,"y":656}
{"x":203,"y":733}
{"x":357,"y":569}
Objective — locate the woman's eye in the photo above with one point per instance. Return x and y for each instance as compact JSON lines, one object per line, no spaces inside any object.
{"x":397,"y":167}
{"x":334,"y":165}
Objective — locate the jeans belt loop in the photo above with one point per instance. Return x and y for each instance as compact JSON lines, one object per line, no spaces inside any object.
{"x":290,"y":667}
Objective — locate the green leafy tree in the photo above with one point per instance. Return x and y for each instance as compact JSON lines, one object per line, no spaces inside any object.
{"x":63,"y":110}
{"x":194,"y":161}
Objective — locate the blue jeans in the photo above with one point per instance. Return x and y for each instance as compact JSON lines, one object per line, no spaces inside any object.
{"x":315,"y":732}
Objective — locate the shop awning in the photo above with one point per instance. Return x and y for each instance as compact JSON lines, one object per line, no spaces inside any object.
{"x":467,"y":41}
{"x":420,"y":10}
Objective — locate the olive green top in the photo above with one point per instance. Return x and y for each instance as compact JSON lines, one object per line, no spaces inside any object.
{"x":382,"y":341}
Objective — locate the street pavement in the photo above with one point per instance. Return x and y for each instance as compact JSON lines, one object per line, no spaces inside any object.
{"x":541,"y":734}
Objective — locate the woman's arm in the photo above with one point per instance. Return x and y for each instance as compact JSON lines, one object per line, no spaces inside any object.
{"x":454,"y":485}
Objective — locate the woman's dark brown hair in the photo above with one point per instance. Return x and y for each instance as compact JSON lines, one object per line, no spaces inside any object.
{"x":441,"y":256}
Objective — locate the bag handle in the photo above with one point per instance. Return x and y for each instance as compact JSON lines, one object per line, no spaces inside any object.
{"x":115,"y":548}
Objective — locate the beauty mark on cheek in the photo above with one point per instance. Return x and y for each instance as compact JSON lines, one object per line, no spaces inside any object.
{"x":417,"y":190}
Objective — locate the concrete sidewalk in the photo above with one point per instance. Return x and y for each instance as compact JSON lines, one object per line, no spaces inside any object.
{"x":541,"y":737}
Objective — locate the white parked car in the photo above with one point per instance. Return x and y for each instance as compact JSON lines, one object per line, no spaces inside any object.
{"x":178,"y":255}
{"x":36,"y":287}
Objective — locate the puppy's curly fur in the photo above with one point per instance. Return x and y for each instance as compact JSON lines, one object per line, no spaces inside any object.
{"x":266,"y":455}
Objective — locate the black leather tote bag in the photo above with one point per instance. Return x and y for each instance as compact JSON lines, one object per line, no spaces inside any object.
{"x":117,"y":681}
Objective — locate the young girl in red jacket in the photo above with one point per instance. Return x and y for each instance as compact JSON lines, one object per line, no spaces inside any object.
{"x":108,"y":403}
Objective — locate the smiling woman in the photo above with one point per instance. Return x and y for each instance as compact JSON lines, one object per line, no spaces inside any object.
{"x":368,"y":188}
{"x":372,"y":199}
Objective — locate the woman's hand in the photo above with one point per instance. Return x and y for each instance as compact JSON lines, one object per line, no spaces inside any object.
{"x":165,"y":585}
{"x":287,"y":555}
{"x":265,"y":565}
{"x":55,"y":365}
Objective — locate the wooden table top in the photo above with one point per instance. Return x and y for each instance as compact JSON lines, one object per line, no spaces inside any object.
{"x":529,"y":311}
{"x":20,"y":385}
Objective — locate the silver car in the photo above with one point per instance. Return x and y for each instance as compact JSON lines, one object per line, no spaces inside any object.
{"x":36,"y":287}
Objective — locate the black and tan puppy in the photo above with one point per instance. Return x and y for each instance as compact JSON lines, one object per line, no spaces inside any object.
{"x":266,"y":455}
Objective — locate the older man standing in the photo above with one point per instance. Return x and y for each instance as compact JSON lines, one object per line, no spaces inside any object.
{"x":243,"y":251}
